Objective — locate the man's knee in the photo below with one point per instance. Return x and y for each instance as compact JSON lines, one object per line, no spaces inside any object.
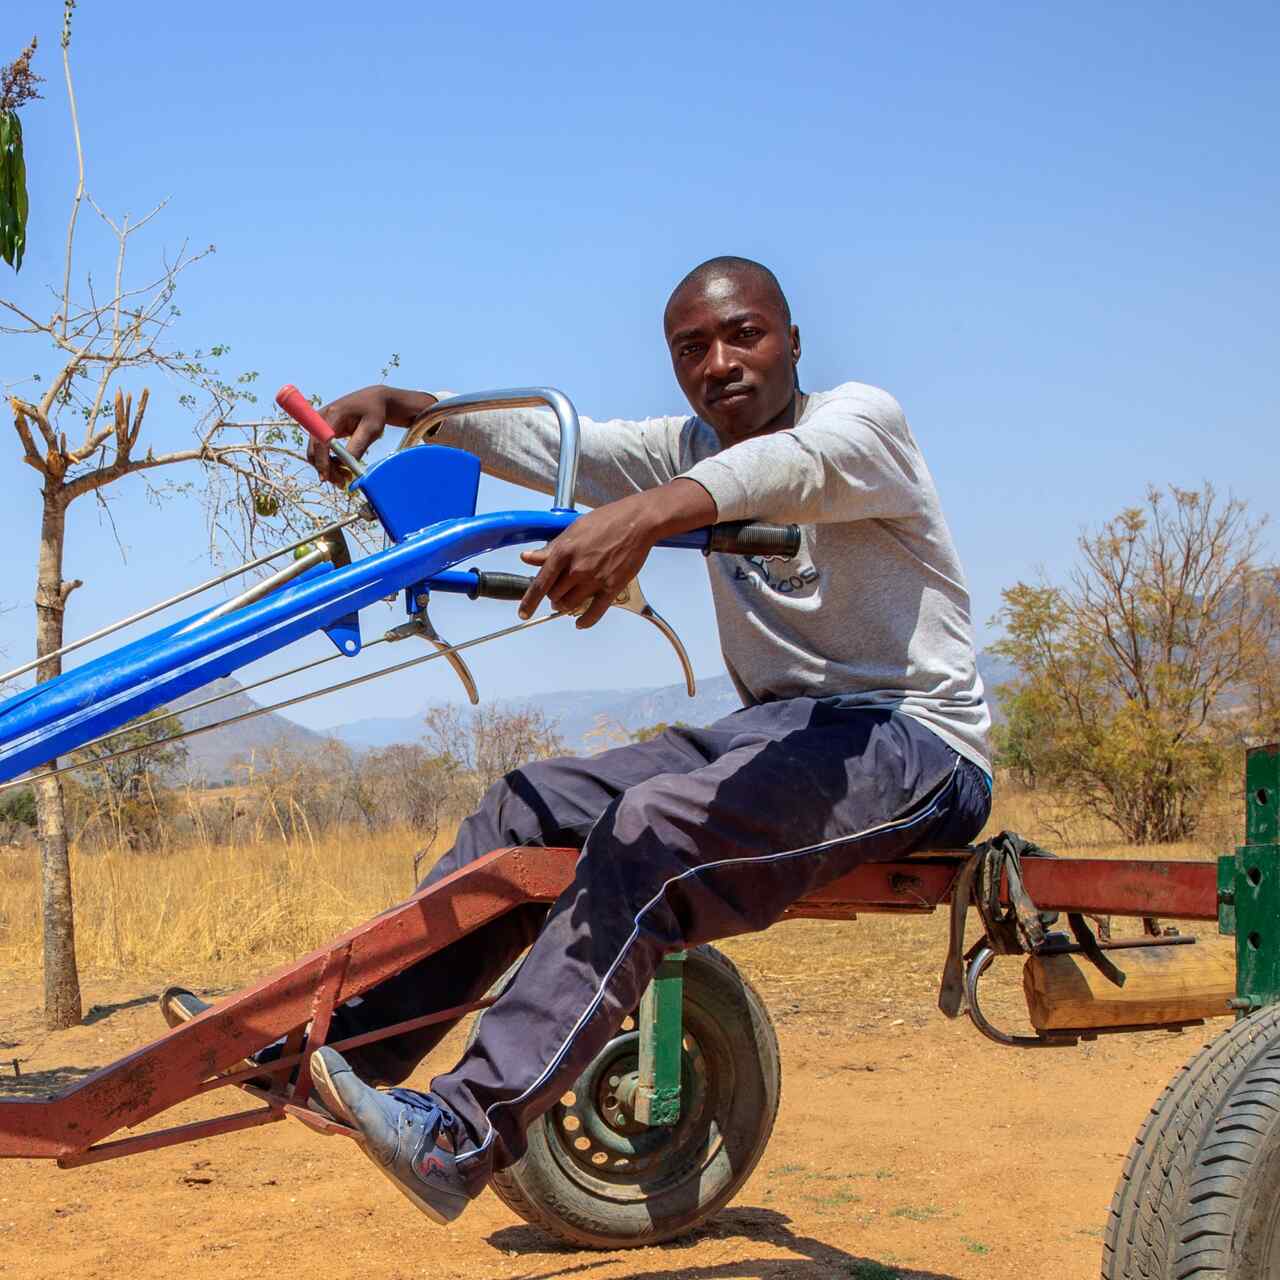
{"x":539,"y":803}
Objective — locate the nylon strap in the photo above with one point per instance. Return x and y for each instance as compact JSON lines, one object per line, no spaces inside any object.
{"x":1089,"y":945}
{"x":1011,"y":930}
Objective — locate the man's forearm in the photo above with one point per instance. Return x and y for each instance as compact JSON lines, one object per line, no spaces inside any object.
{"x":586,"y":566}
{"x":404,"y":406}
{"x":675,"y":507}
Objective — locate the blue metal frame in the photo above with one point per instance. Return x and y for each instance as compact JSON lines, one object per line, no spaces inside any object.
{"x":63,"y":714}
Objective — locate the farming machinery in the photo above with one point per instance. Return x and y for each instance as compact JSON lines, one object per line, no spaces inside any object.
{"x":665,"y":1126}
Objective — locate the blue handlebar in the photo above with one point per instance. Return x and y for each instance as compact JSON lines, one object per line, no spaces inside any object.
{"x":63,"y":714}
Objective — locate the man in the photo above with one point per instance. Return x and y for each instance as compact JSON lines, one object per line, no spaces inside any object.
{"x":863,"y":734}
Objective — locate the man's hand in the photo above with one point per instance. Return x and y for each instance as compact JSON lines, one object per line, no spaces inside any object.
{"x":598,"y":555}
{"x":360,"y":418}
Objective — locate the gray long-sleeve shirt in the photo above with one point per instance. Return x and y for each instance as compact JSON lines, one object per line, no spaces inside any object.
{"x":874,"y":608}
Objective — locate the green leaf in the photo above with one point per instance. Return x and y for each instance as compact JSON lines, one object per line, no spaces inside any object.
{"x":13,"y":190}
{"x":20,"y":183}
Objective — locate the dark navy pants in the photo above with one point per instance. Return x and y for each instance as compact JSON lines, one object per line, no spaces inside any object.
{"x":694,"y":835}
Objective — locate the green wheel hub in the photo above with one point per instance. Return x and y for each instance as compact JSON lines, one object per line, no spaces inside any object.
{"x":595,"y":1129}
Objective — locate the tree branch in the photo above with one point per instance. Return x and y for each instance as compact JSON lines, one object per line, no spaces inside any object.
{"x":31,"y":455}
{"x":75,"y":204}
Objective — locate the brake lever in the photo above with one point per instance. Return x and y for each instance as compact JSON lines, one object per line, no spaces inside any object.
{"x":420,"y":625}
{"x":512,"y":586}
{"x":632,"y":599}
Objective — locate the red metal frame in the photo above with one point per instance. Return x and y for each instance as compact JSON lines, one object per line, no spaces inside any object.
{"x":70,"y":1126}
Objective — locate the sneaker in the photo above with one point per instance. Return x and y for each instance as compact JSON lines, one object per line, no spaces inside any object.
{"x":178,"y":1005}
{"x":409,"y":1136}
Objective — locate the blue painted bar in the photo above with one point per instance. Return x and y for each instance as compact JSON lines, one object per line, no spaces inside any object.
{"x":51,"y":719}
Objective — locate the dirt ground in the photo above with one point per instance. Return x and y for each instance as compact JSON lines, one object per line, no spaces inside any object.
{"x":907,"y":1147}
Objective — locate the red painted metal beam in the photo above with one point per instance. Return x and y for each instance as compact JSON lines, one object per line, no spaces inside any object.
{"x":172,"y":1137}
{"x":175,"y":1067}
{"x":171,"y":1069}
{"x":1107,"y":886}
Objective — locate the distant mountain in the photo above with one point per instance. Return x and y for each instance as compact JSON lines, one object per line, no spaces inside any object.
{"x":577,"y":713}
{"x":212,"y":757}
{"x":585,"y":716}
{"x":587,"y":719}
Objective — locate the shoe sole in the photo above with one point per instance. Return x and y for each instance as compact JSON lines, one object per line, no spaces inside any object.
{"x":176,"y":1015}
{"x":332,"y":1099}
{"x":170,"y":1008}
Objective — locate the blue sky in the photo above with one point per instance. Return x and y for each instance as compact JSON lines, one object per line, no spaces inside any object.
{"x":1048,"y":230}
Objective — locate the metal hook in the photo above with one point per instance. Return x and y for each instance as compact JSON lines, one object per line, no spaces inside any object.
{"x":512,"y":586}
{"x":632,"y":599}
{"x":420,"y":625}
{"x":976,"y":967}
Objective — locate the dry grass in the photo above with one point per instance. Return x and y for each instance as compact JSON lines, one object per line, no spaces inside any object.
{"x":225,"y":914}
{"x":210,"y":911}
{"x":1043,"y":817}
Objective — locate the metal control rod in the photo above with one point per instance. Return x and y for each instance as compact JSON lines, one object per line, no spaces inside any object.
{"x":119,"y":625}
{"x":281,"y":705}
{"x":238,"y":691}
{"x":260,"y":590}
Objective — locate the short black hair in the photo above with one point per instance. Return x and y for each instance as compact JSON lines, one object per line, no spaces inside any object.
{"x":739,"y":268}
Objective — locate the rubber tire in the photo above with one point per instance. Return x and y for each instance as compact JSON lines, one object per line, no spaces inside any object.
{"x":1199,"y":1198}
{"x":537,"y":1189}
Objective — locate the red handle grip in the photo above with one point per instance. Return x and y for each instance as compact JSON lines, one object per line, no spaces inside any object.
{"x":296,"y":405}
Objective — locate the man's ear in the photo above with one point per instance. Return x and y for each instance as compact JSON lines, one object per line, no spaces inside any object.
{"x":795,"y":344}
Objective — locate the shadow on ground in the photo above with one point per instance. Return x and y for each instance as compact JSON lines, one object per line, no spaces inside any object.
{"x":17,"y":1082}
{"x":100,"y":1011}
{"x":814,"y":1261}
{"x":35,"y":1083}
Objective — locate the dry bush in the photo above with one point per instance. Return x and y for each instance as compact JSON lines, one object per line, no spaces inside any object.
{"x":1057,"y":823}
{"x":487,"y":743}
{"x":1139,"y":680}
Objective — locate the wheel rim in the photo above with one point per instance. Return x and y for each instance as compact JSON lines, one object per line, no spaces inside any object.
{"x":600,"y":1147}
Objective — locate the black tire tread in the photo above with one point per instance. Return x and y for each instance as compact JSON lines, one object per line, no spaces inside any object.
{"x":1174,"y":1209}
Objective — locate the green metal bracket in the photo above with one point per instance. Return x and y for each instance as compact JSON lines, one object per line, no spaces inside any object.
{"x":657,"y":1097}
{"x":1249,"y":886}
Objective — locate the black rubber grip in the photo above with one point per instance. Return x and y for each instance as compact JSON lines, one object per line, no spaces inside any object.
{"x":501,"y":586}
{"x":750,"y":538}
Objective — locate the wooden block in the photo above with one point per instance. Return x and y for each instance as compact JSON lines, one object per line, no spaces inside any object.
{"x":1163,"y":985}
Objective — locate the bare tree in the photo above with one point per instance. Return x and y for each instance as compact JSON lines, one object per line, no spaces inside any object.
{"x":486,"y":744}
{"x":84,"y":435}
{"x":132,"y":791}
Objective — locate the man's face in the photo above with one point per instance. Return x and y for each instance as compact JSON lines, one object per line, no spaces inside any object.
{"x":733,"y":353}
